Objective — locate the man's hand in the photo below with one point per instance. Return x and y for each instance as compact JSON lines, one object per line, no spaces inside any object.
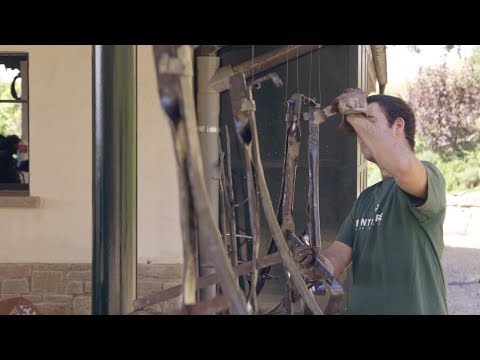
{"x":351,"y":101}
{"x":304,"y":257}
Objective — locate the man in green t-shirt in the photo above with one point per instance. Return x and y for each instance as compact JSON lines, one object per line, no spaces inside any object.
{"x":393,"y":235}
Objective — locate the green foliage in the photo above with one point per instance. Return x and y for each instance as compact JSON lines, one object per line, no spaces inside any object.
{"x":447,"y":106}
{"x":475,"y":61}
{"x":414,"y":48}
{"x":373,"y":174}
{"x":10,"y":114}
{"x":470,"y":178}
{"x":448,"y":48}
{"x":459,"y":167}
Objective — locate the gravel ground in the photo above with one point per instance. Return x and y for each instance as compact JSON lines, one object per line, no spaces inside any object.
{"x":461,"y":268}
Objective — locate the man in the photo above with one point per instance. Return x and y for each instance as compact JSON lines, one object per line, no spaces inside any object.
{"x":8,"y":168}
{"x":393,"y":235}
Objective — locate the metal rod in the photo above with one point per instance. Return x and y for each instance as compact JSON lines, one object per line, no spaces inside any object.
{"x":272,"y":58}
{"x":313,"y":204}
{"x":231,"y":200}
{"x":221,"y":80}
{"x":114,"y":170}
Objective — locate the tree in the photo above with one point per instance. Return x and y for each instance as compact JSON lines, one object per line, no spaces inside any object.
{"x":446,"y":103}
{"x":448,"y":48}
{"x":475,"y":61}
{"x":10,"y":113}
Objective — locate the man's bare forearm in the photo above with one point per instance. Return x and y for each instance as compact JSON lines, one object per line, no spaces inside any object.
{"x":389,"y":152}
{"x":339,"y":255}
{"x":338,"y":269}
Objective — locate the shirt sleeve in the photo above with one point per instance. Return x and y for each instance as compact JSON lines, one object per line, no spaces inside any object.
{"x":346,"y":232}
{"x":436,"y":195}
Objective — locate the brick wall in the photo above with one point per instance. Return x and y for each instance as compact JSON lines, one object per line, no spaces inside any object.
{"x":66,"y":289}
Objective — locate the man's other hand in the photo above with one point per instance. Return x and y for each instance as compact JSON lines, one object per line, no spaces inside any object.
{"x":304,"y":256}
{"x":351,"y":101}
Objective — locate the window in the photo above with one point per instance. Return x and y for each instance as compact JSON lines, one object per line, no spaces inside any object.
{"x":14,"y":138}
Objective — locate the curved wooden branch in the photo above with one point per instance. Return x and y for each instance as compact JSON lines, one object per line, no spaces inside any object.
{"x":174,"y":76}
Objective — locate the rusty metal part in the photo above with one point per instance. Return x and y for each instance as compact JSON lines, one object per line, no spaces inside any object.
{"x":292,"y":152}
{"x":239,"y":270}
{"x":315,"y":113}
{"x":313,"y":203}
{"x":313,"y":199}
{"x":228,"y":210}
{"x":238,"y":81}
{"x":223,"y":201}
{"x":175,"y":84}
{"x":257,"y":83}
{"x":254,"y":214}
{"x":18,"y":306}
{"x":231,"y":201}
{"x":224,"y":205}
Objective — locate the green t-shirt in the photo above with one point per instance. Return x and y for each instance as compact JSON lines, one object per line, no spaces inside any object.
{"x":397,"y":247}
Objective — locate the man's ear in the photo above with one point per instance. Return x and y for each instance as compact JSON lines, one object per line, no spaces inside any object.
{"x":399,"y":125}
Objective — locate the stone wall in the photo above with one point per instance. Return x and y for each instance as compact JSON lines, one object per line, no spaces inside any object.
{"x":66,"y":289}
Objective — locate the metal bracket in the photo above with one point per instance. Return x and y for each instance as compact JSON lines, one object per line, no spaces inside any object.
{"x":257,"y":84}
{"x":315,"y":113}
{"x":208,"y":129}
{"x":247,"y":105}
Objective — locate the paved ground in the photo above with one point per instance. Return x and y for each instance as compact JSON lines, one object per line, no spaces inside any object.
{"x":461,"y":268}
{"x":461,"y":258}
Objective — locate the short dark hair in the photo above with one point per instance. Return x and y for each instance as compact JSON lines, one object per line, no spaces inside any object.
{"x":13,"y":139}
{"x":393,"y":107}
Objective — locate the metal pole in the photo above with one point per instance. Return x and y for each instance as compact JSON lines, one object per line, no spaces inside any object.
{"x":208,"y":115}
{"x":114,"y":260}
